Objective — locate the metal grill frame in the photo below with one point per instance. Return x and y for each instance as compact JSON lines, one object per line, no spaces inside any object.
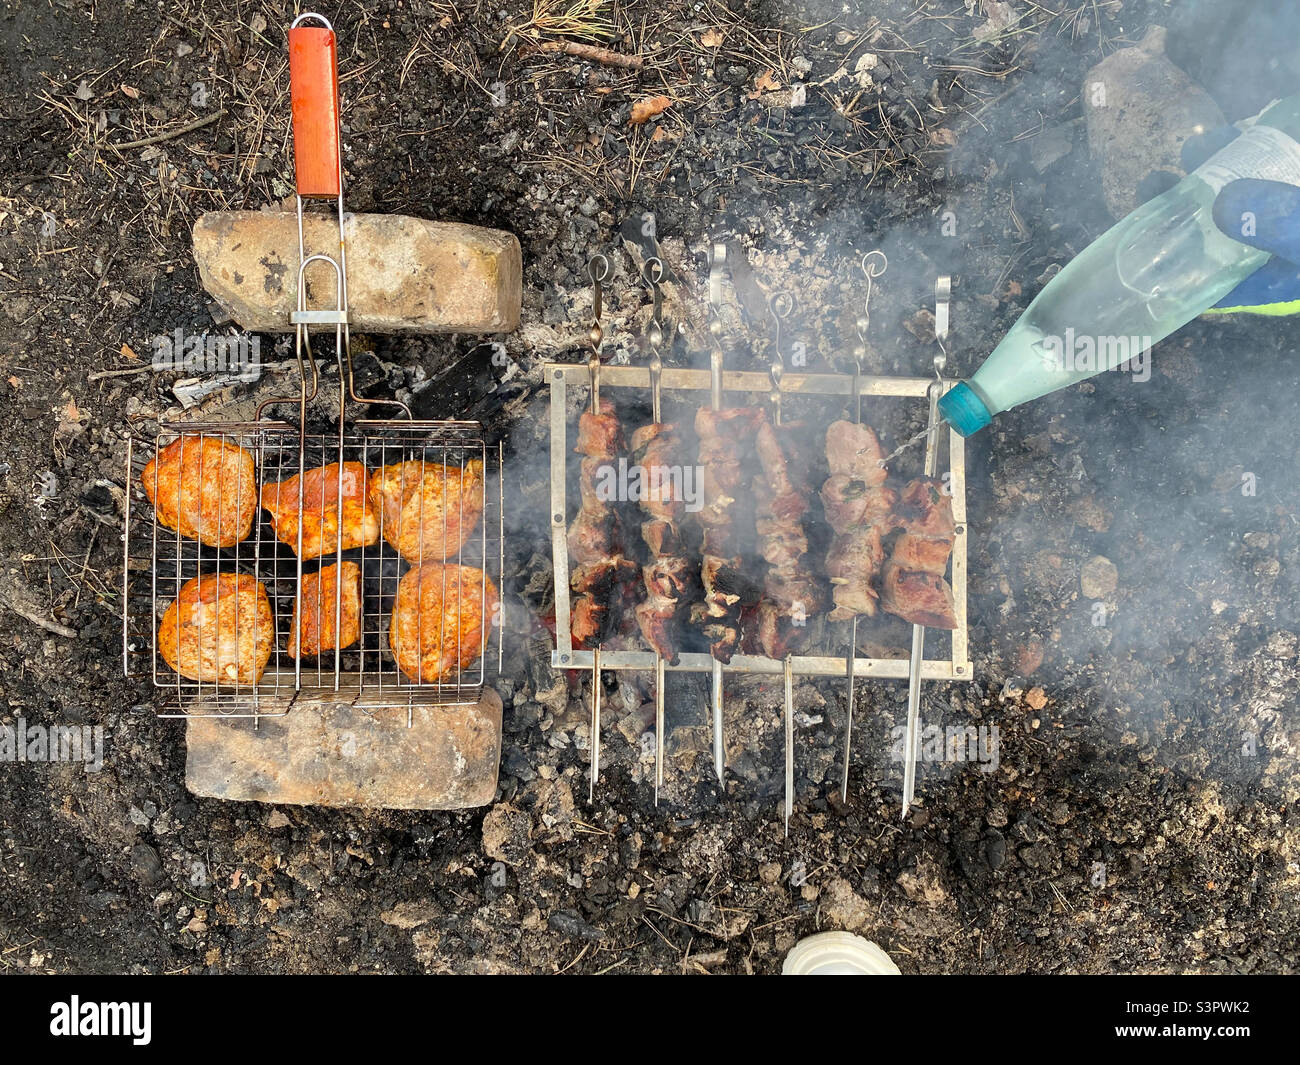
{"x":563,"y":376}
{"x":364,"y":676}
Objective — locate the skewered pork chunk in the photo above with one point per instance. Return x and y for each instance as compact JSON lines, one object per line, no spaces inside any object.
{"x":791,"y":593}
{"x":595,"y":537}
{"x":725,"y":436}
{"x":859,"y":508}
{"x":669,"y":575}
{"x":914,"y":587}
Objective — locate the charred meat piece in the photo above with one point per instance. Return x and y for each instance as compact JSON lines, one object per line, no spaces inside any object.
{"x":859,"y":507}
{"x":428,"y":510}
{"x":331,"y":594}
{"x":669,"y":576}
{"x":441,"y":620}
{"x":336,"y":513}
{"x":219,"y":630}
{"x":919,"y":597}
{"x":791,"y":592}
{"x":595,"y":537}
{"x":204,"y":489}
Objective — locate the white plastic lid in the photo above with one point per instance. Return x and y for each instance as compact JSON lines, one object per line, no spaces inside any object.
{"x":838,"y":954}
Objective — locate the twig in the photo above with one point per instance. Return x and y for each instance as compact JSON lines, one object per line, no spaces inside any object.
{"x":594,"y":52}
{"x":23,"y":610}
{"x":158,"y":138}
{"x":126,"y":371}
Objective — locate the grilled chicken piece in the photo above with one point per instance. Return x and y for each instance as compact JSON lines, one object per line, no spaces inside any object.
{"x":327,"y":524}
{"x":219,"y":630}
{"x":441,"y":620}
{"x":918,"y":597}
{"x":427,"y":510}
{"x":332,"y":593}
{"x":203,"y":488}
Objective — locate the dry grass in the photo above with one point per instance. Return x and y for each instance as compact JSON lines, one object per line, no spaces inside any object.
{"x":579,"y":20}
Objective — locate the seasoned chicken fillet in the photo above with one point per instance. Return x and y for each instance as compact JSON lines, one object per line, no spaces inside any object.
{"x":327,"y":526}
{"x":428,"y":510}
{"x":220,"y":629}
{"x":203,"y":488}
{"x":441,"y":620}
{"x":330,"y":595}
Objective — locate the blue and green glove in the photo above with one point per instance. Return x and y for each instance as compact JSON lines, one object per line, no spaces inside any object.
{"x":1263,"y":214}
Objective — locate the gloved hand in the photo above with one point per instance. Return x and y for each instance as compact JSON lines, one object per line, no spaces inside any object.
{"x":1263,"y":214}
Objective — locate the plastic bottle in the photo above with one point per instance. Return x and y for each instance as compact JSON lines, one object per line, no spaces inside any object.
{"x":1149,"y":274}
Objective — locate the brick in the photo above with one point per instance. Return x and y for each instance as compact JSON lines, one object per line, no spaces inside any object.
{"x":336,"y":755}
{"x":405,"y":275}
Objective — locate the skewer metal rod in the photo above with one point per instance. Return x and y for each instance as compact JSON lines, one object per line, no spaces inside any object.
{"x":942,"y":294}
{"x":659,"y":725}
{"x":719,"y":759}
{"x":595,"y":723}
{"x":848,"y":729}
{"x":789,"y":744}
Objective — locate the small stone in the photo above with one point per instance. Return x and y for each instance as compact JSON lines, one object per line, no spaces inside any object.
{"x":145,"y":864}
{"x":844,"y":908}
{"x":769,"y":872}
{"x":277,"y":819}
{"x":1099,"y":578}
{"x":1036,"y":698}
{"x":506,"y":831}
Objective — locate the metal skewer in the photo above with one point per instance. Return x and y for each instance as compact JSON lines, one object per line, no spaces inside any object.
{"x":595,"y":722}
{"x":942,"y":297}
{"x":874,"y":264}
{"x":717,"y":265}
{"x":652,"y":274}
{"x":789,"y":740}
{"x":598,"y":269}
{"x":781,"y":305}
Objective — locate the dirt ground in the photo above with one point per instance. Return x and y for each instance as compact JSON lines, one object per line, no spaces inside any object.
{"x":1134,"y":545}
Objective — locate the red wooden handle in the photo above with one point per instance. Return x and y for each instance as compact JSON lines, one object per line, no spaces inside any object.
{"x":314,"y":91}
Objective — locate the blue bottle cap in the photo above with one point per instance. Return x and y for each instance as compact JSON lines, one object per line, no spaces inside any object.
{"x":964,"y":410}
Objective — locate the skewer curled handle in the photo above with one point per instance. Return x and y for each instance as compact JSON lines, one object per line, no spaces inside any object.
{"x":314,"y":92}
